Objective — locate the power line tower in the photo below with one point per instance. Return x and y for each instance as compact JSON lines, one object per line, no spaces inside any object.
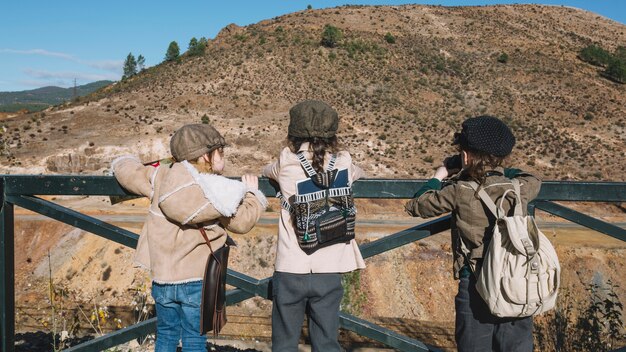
{"x":75,"y":94}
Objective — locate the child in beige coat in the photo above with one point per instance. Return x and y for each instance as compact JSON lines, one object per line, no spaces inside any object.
{"x":185,"y":196}
{"x":309,"y":283}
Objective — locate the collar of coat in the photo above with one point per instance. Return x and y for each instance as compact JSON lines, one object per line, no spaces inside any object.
{"x":223,"y":193}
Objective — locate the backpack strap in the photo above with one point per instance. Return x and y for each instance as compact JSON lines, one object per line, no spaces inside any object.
{"x":283,"y":202}
{"x":495,"y":210}
{"x":518,"y":197}
{"x":486,"y":200}
{"x":331,"y":163}
{"x":308,"y":168}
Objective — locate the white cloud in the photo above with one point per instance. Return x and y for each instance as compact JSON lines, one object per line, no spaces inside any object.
{"x":40,"y":52}
{"x":106,"y":65}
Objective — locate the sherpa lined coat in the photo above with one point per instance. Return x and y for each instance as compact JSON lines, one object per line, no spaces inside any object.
{"x":471,"y":222}
{"x":338,"y":258}
{"x":182,"y":199}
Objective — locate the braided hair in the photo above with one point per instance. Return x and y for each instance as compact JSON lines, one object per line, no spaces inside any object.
{"x":318,"y":146}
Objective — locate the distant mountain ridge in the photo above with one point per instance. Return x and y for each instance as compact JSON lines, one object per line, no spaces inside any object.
{"x":41,"y":98}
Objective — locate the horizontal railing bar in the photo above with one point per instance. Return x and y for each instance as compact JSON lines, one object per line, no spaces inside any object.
{"x":388,"y":337}
{"x":583,"y":191}
{"x":404,"y":237}
{"x":76,"y":219}
{"x":237,"y":295}
{"x":63,"y":185}
{"x":365,"y":188}
{"x":78,"y":185}
{"x":118,"y":337}
{"x":582,"y":219}
{"x":248,"y":283}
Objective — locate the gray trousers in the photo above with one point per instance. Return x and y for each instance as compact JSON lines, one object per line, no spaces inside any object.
{"x":318,"y":296}
{"x":478,"y":330}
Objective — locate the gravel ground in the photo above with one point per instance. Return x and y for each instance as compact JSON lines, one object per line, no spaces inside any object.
{"x":42,"y":342}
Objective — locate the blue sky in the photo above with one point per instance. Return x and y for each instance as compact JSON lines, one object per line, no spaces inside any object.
{"x":52,"y":42}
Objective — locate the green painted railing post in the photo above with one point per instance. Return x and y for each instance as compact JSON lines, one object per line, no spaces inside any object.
{"x":7,"y":274}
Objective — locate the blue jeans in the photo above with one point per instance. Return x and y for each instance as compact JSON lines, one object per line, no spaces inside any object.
{"x":178,"y":316}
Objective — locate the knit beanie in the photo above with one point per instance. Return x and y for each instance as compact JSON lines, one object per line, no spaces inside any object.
{"x":486,"y":134}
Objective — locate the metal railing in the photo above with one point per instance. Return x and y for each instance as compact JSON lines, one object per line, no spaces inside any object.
{"x":22,"y":191}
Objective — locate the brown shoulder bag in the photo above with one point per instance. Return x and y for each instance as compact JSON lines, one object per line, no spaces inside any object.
{"x":213,"y":306}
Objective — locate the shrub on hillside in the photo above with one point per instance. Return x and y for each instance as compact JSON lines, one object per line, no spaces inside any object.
{"x":389,"y":38}
{"x":597,"y":326}
{"x":620,"y":53}
{"x":616,"y":71}
{"x":503,"y":58}
{"x":595,"y":55}
{"x":331,"y":36}
{"x":615,"y":63}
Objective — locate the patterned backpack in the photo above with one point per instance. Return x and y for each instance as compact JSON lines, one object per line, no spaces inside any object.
{"x":520,"y":273}
{"x":323,"y":208}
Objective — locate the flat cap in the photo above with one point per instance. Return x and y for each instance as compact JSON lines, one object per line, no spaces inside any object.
{"x":192,"y":141}
{"x":313,"y":118}
{"x":486,"y":134}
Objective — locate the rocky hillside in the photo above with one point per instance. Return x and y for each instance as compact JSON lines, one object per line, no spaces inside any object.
{"x":400,"y":96}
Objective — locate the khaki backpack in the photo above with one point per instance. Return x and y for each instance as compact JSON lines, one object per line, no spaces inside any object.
{"x":520,"y":273}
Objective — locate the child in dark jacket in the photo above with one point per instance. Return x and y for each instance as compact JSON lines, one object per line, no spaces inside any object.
{"x":484,"y":142}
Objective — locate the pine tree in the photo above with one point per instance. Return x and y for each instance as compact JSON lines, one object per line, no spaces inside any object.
{"x":130,"y":66}
{"x":196,"y":47}
{"x":202,"y":44}
{"x":193,"y":44}
{"x":173,"y":51}
{"x":141,"y":62}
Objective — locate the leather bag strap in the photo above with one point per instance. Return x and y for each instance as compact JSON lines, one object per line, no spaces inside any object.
{"x":206,"y":238}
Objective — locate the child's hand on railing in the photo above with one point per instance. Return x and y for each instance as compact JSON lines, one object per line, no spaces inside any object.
{"x":251,"y":181}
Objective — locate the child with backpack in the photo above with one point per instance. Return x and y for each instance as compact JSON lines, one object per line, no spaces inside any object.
{"x":484,"y":142}
{"x":316,"y":229}
{"x":191,"y":208}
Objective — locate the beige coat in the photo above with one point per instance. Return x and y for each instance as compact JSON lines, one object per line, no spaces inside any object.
{"x":338,"y":258}
{"x":182,"y":199}
{"x":470,"y":222}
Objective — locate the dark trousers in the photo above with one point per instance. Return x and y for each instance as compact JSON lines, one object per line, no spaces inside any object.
{"x":318,"y":296}
{"x":478,"y":330}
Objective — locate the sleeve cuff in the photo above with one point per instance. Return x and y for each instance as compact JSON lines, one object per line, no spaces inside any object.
{"x":511,"y":173}
{"x":432,"y":185}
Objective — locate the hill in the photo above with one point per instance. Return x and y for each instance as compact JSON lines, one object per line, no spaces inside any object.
{"x":400,"y":100}
{"x":41,"y":98}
